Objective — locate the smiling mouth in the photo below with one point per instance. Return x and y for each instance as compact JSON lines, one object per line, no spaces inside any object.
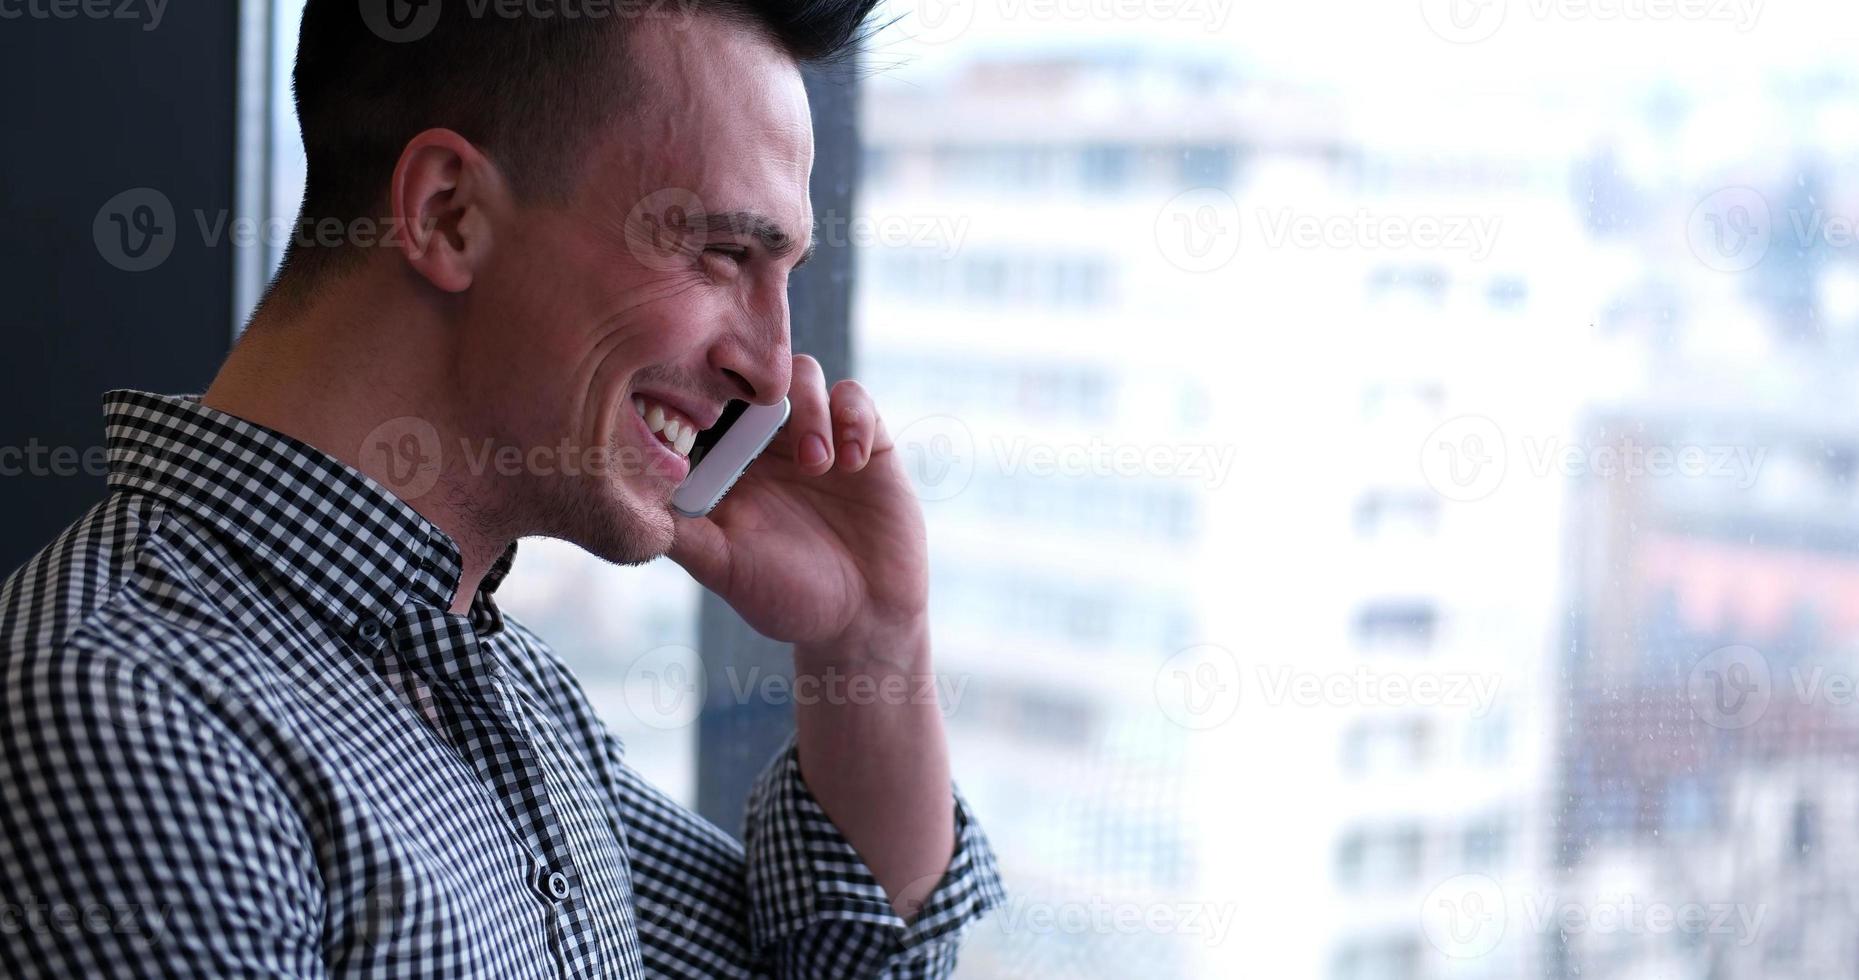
{"x":674,"y":431}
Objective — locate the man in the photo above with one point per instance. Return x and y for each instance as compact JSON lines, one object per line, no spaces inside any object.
{"x":259,"y":714}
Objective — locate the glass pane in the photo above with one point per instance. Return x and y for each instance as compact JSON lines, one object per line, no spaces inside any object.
{"x":1390,"y":474}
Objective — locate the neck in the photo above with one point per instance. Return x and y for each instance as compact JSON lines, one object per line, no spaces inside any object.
{"x":331,"y":370}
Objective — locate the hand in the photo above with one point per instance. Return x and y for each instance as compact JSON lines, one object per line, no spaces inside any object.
{"x":821,"y":543}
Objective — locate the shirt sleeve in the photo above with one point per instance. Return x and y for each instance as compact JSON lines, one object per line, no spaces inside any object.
{"x":798,"y":903}
{"x":137,"y":836}
{"x":817,"y":911}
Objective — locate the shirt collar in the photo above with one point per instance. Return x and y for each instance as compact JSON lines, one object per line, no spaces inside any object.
{"x":355,"y":551}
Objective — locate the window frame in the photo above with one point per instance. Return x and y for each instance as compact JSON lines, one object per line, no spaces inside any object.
{"x":737,"y":736}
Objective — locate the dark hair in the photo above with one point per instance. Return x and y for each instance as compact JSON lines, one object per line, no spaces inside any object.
{"x":526,"y":89}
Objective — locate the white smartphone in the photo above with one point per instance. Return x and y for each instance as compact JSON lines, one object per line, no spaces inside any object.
{"x":723,"y":451}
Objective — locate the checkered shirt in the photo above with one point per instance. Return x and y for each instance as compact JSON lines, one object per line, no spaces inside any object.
{"x":241,"y":735}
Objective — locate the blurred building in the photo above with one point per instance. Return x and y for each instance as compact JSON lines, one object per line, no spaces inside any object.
{"x":1449,"y":589}
{"x":1710,"y":649}
{"x":1094,"y":247}
{"x":1710,"y":703}
{"x":1009,"y":211}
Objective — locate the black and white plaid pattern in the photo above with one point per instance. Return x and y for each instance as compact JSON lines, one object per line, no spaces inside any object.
{"x":241,"y":735}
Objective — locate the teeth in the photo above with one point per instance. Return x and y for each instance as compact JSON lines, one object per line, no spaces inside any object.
{"x":677,"y":432}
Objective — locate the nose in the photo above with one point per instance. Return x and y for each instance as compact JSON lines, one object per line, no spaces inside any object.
{"x":757,"y":360}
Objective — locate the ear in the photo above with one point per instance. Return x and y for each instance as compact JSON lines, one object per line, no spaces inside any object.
{"x":443,"y":198}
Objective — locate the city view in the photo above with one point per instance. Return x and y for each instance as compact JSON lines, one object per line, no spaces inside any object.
{"x":1511,"y":639}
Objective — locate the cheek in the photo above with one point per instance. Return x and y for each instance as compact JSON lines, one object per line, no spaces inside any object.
{"x":661,"y":340}
{"x":569,"y":327}
{"x":528,"y":326}
{"x":555,"y":279}
{"x":676,"y":323}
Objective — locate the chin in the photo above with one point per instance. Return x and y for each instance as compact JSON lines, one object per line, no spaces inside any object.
{"x":612,"y":524}
{"x":633,"y":537}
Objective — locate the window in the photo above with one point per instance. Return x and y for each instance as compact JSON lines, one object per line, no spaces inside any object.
{"x":1508,"y":315}
{"x":1486,"y":842}
{"x":1390,"y":512}
{"x":1397,"y":626}
{"x":1378,"y":959}
{"x":1106,"y":167}
{"x":1382,"y":745}
{"x":1210,"y":166}
{"x":1380,"y":857}
{"x":1386,"y":466}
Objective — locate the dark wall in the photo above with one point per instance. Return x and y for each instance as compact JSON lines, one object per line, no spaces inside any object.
{"x":94,"y":108}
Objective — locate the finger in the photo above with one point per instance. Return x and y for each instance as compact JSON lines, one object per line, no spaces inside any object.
{"x":809,"y":428}
{"x":855,"y":425}
{"x":702,"y":549}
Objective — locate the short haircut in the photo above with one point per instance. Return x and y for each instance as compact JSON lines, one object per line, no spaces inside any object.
{"x":528,"y":90}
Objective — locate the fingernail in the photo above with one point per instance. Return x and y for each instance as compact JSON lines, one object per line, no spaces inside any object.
{"x":813,"y":450}
{"x":849,"y":454}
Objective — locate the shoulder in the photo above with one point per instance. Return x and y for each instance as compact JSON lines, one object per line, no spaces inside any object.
{"x":108,"y":622}
{"x":55,"y":591}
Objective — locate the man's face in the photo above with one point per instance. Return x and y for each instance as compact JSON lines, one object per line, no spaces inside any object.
{"x":661,"y":286}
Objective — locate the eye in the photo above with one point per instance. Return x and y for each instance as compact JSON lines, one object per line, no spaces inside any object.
{"x":734,"y":254}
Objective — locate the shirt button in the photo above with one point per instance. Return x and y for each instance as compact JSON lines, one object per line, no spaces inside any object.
{"x":558,"y":885}
{"x":370,"y":630}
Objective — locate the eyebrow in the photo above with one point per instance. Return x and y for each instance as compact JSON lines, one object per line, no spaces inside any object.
{"x":762,"y":228}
